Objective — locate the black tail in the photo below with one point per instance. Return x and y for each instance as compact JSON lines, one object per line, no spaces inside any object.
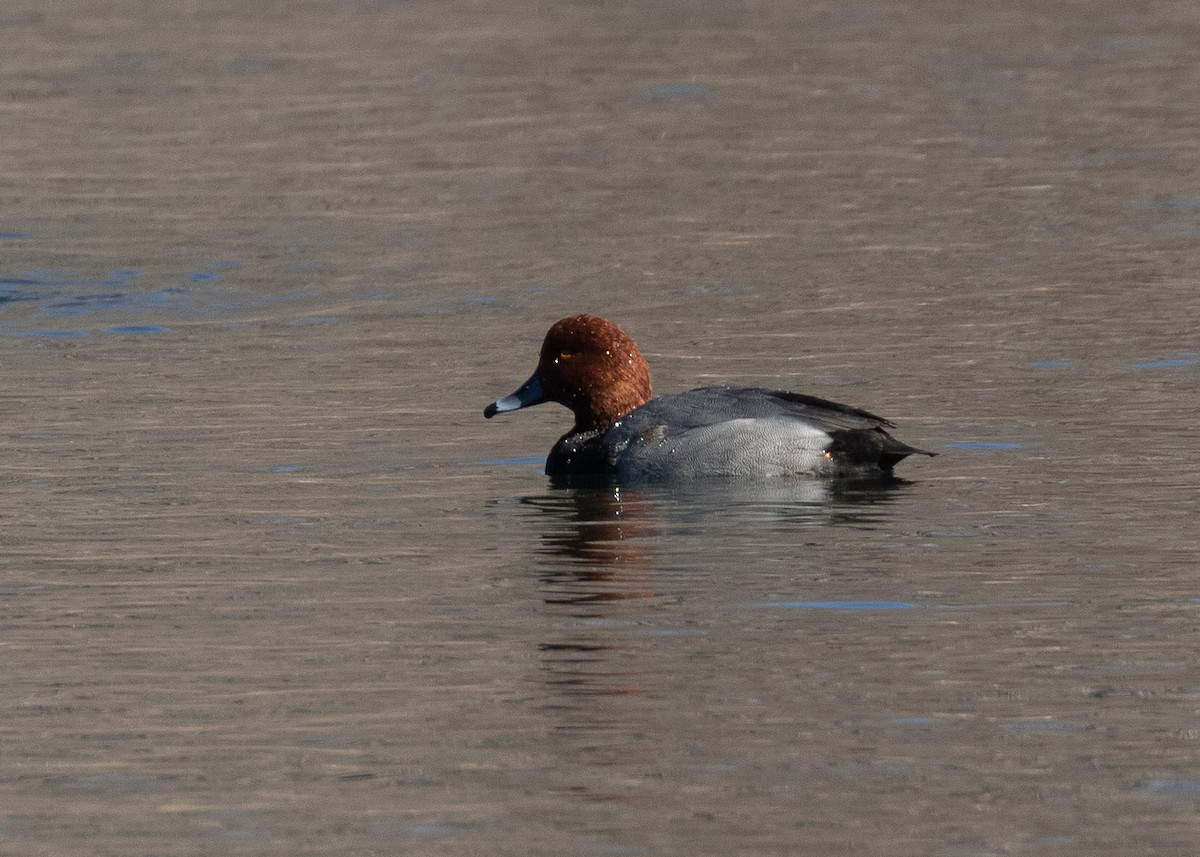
{"x":870,"y":447}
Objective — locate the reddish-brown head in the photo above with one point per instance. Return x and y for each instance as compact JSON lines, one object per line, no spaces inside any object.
{"x":589,"y":365}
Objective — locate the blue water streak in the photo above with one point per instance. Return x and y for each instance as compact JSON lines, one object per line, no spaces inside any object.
{"x":1173,"y":788}
{"x":50,"y":334}
{"x":137,"y":329}
{"x":1166,"y":364}
{"x":1165,"y":204}
{"x":676,"y":90}
{"x":515,"y":462}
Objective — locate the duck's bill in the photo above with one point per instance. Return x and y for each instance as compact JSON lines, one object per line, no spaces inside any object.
{"x":530,"y":393}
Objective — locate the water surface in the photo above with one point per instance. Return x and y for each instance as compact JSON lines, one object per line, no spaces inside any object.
{"x":271,"y":585}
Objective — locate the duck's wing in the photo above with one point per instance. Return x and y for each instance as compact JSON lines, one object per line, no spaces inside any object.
{"x":710,"y":405}
{"x":854,"y":437}
{"x":821,"y":412}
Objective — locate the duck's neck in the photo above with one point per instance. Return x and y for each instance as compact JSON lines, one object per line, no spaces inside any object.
{"x":597,"y":412}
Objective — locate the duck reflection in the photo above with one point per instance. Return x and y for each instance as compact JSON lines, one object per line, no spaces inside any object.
{"x":597,"y":543}
{"x":594,"y":573}
{"x":602,"y":533}
{"x":606,"y":562}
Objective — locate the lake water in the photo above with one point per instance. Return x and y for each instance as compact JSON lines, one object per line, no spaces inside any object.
{"x":269,"y":583}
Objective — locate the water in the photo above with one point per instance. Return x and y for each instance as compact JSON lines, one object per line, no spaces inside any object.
{"x":271,"y":585}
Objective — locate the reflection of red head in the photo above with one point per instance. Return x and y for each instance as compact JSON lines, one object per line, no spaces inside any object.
{"x":606,"y":537}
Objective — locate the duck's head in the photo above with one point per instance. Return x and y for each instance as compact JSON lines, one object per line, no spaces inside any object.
{"x":589,"y":365}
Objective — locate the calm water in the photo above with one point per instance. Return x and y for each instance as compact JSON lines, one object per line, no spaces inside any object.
{"x":271,"y":585}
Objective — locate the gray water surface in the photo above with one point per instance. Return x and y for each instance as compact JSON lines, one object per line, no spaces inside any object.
{"x":269,"y":583}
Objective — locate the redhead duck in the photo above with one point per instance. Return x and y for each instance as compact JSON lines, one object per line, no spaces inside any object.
{"x":592,"y":367}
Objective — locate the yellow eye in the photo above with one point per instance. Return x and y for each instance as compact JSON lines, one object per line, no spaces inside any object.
{"x":565,"y":355}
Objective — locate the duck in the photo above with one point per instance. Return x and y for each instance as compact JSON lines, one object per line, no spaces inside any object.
{"x":623,"y":433}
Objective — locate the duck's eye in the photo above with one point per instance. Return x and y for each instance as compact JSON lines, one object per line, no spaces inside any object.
{"x":565,"y":355}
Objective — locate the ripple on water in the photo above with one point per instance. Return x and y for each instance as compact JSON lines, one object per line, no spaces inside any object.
{"x":49,"y":334}
{"x":835,"y":605}
{"x":1043,"y":727}
{"x":202,"y":294}
{"x":915,"y":720}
